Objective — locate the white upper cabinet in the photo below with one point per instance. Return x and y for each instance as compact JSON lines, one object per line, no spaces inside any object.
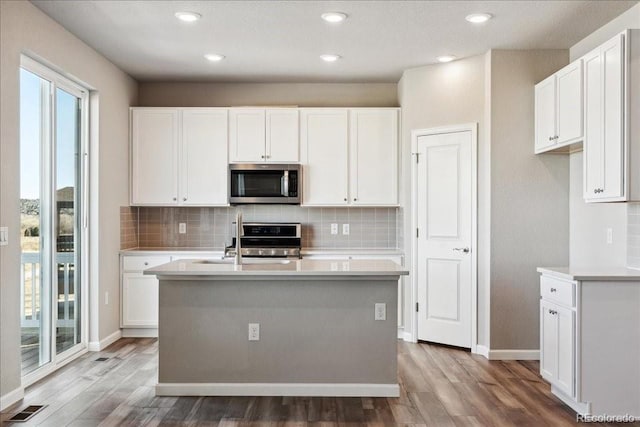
{"x":324,"y":140}
{"x":558,"y":109}
{"x":373,"y":156}
{"x":605,"y":169}
{"x":154,"y":154}
{"x":350,"y":156}
{"x":282,"y":135}
{"x":179,"y":157}
{"x":203,"y":177}
{"x":263,"y":135}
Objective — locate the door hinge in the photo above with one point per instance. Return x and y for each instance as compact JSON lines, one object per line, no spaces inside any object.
{"x":417,"y":306}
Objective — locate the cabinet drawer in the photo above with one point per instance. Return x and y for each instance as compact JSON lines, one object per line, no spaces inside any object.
{"x":139,"y":263}
{"x":558,"y":291}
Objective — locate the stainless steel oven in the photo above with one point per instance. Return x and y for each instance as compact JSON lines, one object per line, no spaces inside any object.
{"x":264,"y":183}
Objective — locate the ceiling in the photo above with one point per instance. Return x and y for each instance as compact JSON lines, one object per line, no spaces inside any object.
{"x":280,"y":41}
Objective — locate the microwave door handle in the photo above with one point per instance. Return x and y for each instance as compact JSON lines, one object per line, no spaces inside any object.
{"x":285,"y":187}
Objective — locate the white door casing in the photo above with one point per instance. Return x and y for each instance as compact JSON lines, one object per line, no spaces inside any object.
{"x":444,"y":261}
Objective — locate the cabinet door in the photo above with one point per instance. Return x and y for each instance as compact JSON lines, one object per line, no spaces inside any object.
{"x":593,"y":112}
{"x":282,"y":135}
{"x":548,"y":341}
{"x":324,"y":147}
{"x":246,"y":135}
{"x":139,"y":300}
{"x":154,"y":156}
{"x":373,"y":157}
{"x":545,"y":114}
{"x":569,"y":107}
{"x":566,"y":350}
{"x":203,"y":176}
{"x":612,"y":121}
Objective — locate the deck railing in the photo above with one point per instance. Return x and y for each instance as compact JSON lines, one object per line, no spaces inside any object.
{"x":31,"y":287}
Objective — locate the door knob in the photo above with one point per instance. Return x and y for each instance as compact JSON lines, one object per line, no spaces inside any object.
{"x":465,"y":250}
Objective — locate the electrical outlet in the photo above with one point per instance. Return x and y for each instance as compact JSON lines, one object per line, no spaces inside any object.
{"x":4,"y":236}
{"x":345,"y":229}
{"x":182,"y":228}
{"x":609,"y":236}
{"x":254,"y":331}
{"x":106,"y":298}
{"x":381,"y":311}
{"x":334,"y":228}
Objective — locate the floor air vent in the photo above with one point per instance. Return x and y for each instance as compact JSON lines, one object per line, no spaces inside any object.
{"x":101,"y":359}
{"x":26,"y":413}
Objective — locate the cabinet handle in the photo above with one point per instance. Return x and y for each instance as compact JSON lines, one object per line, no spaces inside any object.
{"x":553,"y":289}
{"x":598,"y":190}
{"x":553,"y":312}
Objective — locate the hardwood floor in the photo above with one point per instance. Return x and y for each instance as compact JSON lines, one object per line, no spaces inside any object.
{"x":440,"y":386}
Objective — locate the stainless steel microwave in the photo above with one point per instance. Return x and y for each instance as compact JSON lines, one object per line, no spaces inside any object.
{"x":264,"y":183}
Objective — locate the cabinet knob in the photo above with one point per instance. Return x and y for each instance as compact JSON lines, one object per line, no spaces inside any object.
{"x":146,"y":263}
{"x":550,"y":138}
{"x":556,"y":137}
{"x":262,"y":157}
{"x":355,"y":199}
{"x":553,"y":289}
{"x":345,"y":199}
{"x":175,"y":199}
{"x":184,"y":199}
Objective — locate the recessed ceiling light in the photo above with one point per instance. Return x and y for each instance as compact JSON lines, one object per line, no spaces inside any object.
{"x":214,"y":57}
{"x":334,"y":17}
{"x":188,"y":16}
{"x":446,"y":58}
{"x":479,"y":18}
{"x":330,"y":57}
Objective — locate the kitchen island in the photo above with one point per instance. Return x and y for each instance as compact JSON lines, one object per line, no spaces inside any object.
{"x":317,"y":332}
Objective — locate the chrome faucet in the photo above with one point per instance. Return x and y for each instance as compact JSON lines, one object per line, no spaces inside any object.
{"x":239,"y":233}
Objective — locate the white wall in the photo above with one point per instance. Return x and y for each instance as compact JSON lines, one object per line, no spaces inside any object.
{"x":184,"y":94}
{"x":589,"y":222}
{"x":25,"y":29}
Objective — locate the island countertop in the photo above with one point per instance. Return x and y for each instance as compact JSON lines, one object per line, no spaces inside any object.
{"x":276,"y":267}
{"x":595,"y":274}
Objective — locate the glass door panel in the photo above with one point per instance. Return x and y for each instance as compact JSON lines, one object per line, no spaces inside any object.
{"x":35,"y":315}
{"x":66,"y":217}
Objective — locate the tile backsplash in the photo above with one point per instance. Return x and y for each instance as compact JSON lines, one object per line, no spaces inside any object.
{"x":633,"y":235}
{"x":128,"y":227}
{"x":211,"y":227}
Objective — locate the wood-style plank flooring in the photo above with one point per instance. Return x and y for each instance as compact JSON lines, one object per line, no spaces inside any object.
{"x":440,"y":386}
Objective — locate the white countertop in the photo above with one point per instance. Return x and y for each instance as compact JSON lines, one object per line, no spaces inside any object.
{"x":358,"y":268}
{"x":217,"y":251}
{"x":592,"y":273}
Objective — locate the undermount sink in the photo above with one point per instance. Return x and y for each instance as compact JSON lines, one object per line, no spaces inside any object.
{"x":245,"y":261}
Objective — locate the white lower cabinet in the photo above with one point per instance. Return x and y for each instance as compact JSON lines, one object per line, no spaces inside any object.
{"x":558,"y":334}
{"x":557,"y":345}
{"x":139,"y":294}
{"x":139,"y":300}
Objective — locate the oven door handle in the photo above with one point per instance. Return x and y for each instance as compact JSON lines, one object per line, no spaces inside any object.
{"x":285,"y":186}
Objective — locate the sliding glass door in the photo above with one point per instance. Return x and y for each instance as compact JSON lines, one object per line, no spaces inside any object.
{"x":52,"y":210}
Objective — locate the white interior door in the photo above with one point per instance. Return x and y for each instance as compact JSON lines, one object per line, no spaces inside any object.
{"x":444,"y":262}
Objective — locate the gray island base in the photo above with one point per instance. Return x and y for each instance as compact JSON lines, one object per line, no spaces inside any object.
{"x":317,"y":330}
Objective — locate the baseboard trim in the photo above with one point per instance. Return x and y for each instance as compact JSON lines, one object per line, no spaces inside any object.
{"x":106,"y":342}
{"x":140,"y":333}
{"x":482,"y":351}
{"x":278,"y":389}
{"x":10,"y":398}
{"x":580,"y":407}
{"x":514,"y":355}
